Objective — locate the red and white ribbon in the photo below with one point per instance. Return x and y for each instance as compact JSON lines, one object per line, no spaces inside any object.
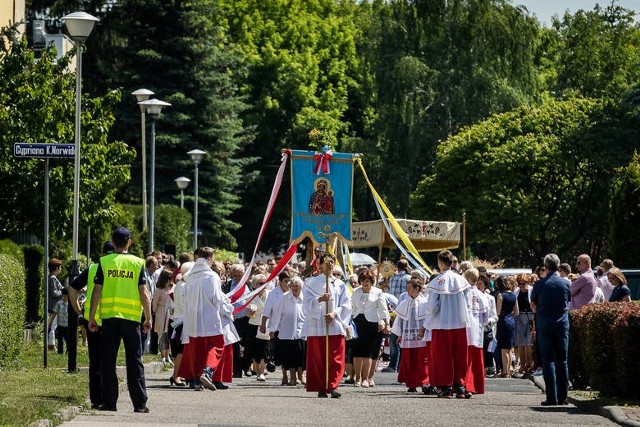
{"x":238,"y":290}
{"x":322,"y":162}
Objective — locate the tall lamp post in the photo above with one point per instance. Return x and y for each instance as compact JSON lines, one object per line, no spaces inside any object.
{"x":153,"y":108}
{"x":143,"y":95}
{"x":182,"y":183}
{"x":196,"y":158}
{"x":79,"y":26}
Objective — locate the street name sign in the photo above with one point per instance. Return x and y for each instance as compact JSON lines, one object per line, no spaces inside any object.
{"x":43,"y":151}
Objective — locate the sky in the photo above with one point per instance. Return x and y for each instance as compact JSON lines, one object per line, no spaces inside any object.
{"x":545,"y":9}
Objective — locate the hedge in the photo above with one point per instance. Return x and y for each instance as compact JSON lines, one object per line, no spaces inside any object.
{"x":12,"y":307}
{"x":604,"y":350}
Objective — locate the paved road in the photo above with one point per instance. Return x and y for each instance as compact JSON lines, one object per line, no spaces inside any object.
{"x":511,"y":402}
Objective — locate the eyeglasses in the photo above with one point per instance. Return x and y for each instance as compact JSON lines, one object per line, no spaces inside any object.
{"x":337,"y":275}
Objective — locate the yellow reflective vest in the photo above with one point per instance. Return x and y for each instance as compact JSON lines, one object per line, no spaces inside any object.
{"x":93,"y":269}
{"x":120,"y":295}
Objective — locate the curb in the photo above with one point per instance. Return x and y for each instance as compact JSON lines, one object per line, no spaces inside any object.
{"x":70,"y":412}
{"x":614,"y":413}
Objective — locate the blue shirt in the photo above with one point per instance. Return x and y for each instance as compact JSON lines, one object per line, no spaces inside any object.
{"x":551,"y":296}
{"x":398,"y":283}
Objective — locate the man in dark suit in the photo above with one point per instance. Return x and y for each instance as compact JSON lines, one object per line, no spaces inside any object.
{"x":550,"y":300}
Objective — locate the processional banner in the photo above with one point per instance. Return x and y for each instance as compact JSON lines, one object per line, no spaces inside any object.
{"x":321,"y":192}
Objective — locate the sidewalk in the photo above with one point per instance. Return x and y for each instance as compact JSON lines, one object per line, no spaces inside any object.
{"x":622,"y":415}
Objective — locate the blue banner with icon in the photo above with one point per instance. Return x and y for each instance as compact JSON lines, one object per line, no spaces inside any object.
{"x":321,"y":193}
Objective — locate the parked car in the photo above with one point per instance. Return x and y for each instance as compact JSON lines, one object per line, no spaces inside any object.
{"x":633,"y":282}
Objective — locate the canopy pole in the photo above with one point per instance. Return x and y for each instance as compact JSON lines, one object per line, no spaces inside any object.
{"x":464,"y":235}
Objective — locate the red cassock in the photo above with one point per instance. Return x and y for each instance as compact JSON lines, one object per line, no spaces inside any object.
{"x":448,"y":357}
{"x":224,"y":373}
{"x":475,"y":370}
{"x":414,"y":368}
{"x":316,"y":363}
{"x":199,"y":353}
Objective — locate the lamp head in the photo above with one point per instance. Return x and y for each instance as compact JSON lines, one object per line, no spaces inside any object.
{"x":196,"y":156}
{"x":154,"y":107}
{"x":182,"y":182}
{"x":79,"y":25}
{"x":142,"y":94}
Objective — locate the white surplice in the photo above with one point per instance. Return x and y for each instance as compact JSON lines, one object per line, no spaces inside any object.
{"x":314,"y":310}
{"x":204,"y":303}
{"x":410,"y":314}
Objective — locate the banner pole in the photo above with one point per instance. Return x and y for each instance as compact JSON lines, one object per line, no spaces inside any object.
{"x":464,"y":235}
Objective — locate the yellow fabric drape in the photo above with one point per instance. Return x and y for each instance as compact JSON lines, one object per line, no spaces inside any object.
{"x":394,"y":224}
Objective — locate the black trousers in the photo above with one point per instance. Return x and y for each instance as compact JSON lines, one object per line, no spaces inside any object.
{"x":241,"y":364}
{"x":94,"y":346}
{"x":114,"y":330}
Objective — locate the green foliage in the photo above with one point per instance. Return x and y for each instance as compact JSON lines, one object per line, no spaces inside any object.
{"x":34,"y":267}
{"x":172,"y":226}
{"x":440,"y":66}
{"x":37,"y":105}
{"x":598,"y":52}
{"x":12,"y":307}
{"x":624,"y":224}
{"x":226,"y":256}
{"x":303,"y":72}
{"x":532,"y":181}
{"x":626,"y":335}
{"x":179,"y":51}
{"x":11,"y":249}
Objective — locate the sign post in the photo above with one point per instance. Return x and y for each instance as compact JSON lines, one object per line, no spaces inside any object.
{"x":46,"y":152}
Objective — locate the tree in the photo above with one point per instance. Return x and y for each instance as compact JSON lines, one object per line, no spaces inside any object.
{"x":533,"y":180}
{"x":441,"y":65}
{"x":178,"y":50}
{"x":598,"y":53}
{"x":624,"y":237}
{"x":303,"y":73}
{"x":37,"y":99}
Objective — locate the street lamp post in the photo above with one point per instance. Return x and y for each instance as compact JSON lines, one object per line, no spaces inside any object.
{"x":153,"y":108}
{"x":143,"y":95}
{"x":196,"y":158}
{"x":79,"y":26}
{"x":182,"y":183}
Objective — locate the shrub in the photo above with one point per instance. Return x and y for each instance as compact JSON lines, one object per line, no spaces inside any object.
{"x":577,"y":373}
{"x":626,"y":336}
{"x":34,"y":266}
{"x":599,"y":354}
{"x":12,"y":307}
{"x":7,"y":247}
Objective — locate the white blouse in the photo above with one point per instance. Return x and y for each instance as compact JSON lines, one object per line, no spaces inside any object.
{"x":288,"y":317}
{"x":372,"y":304}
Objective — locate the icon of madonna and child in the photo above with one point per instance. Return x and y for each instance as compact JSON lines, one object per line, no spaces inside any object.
{"x":321,"y":200}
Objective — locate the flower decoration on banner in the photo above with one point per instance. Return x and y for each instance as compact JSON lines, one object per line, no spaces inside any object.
{"x":322,"y":142}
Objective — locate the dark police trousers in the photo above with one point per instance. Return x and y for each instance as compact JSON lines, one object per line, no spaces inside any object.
{"x":94,"y":345}
{"x":114,"y":329}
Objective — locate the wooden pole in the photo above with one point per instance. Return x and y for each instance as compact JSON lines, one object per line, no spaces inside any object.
{"x":464,"y":235}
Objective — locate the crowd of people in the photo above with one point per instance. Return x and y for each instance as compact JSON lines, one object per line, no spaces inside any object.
{"x":323,"y":328}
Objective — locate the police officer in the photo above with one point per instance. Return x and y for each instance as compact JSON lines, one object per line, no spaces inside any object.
{"x":86,"y":279}
{"x":122,"y":293}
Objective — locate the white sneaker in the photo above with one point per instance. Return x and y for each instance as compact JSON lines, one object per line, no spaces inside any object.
{"x":261,"y":378}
